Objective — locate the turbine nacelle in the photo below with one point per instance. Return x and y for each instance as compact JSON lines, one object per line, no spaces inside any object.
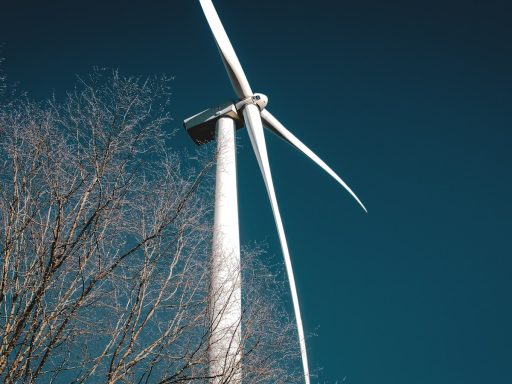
{"x":201,"y":127}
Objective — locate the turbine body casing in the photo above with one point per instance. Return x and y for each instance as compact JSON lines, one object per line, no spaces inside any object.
{"x":201,"y":127}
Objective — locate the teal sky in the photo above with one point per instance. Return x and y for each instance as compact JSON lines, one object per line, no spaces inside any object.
{"x":409,"y":100}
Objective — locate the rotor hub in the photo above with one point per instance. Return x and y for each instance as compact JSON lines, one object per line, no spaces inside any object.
{"x":258,"y":99}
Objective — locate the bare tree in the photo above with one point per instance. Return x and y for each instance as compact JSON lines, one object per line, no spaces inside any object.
{"x":105,"y":237}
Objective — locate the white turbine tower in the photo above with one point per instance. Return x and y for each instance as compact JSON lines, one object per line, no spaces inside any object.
{"x":220,"y":123}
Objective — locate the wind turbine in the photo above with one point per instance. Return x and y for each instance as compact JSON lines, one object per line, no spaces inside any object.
{"x":220,"y":123}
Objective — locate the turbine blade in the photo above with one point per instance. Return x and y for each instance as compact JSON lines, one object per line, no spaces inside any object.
{"x":233,"y":67}
{"x":255,"y":129}
{"x":276,"y":127}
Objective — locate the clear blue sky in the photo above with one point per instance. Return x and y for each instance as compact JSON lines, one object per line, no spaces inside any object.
{"x":409,"y":100}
